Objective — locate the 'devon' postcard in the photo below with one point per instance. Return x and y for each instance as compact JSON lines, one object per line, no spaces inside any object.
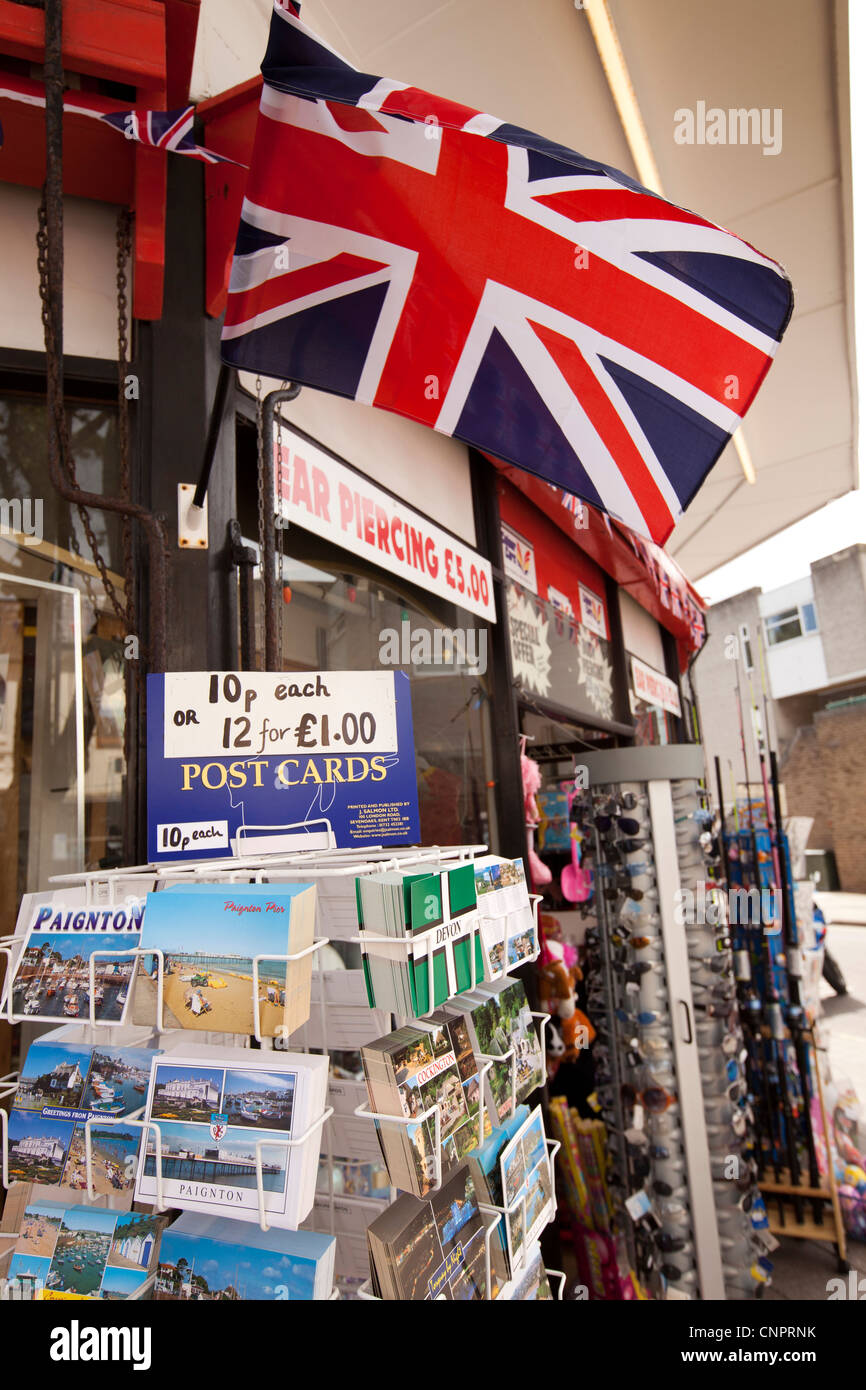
{"x":223,"y":947}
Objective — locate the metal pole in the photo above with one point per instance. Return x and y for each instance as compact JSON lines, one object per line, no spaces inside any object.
{"x":217,"y":414}
{"x":270,"y":406}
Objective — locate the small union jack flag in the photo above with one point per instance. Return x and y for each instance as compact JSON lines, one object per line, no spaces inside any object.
{"x":424,"y":257}
{"x":162,"y":130}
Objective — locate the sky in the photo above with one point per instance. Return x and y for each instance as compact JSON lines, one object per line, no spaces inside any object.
{"x":198,"y":922}
{"x":259,"y":1272}
{"x":841,"y":523}
{"x":45,"y":1058}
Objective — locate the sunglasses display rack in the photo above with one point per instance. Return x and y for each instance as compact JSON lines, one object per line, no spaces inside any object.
{"x":669,"y":1058}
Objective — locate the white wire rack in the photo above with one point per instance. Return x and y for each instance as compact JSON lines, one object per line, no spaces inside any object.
{"x":258,"y":859}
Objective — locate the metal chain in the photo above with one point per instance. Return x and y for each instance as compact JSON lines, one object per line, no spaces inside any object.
{"x":67,"y":462}
{"x":124,"y":252}
{"x":260,"y":433}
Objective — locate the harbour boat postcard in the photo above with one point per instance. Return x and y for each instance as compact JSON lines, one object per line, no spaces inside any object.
{"x":62,"y":1086}
{"x":83,"y":1252}
{"x":51,"y":977}
{"x":77,"y":1081}
{"x":209,"y":937}
{"x":217,"y":1121}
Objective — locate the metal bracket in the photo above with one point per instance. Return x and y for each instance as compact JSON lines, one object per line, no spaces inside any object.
{"x":191,"y":520}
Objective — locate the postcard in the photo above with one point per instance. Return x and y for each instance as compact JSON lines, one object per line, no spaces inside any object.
{"x":532,"y":1284}
{"x":503,"y":1024}
{"x":221,"y":947}
{"x":217,"y":1119}
{"x":527,"y":1187}
{"x":64,"y":1085}
{"x":51,"y":977}
{"x":209,"y":1263}
{"x":432,"y":1249}
{"x":83,"y":1252}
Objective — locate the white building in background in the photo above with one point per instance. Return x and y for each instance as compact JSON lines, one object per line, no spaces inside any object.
{"x":799,"y":654}
{"x":190,"y":1089}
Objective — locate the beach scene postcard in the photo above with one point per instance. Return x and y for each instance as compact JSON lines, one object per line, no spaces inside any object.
{"x":208,"y":937}
{"x":84,"y":1252}
{"x":51,"y":979}
{"x":211,"y":1120}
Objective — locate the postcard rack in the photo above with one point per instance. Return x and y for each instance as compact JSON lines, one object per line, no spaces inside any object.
{"x":321,"y":860}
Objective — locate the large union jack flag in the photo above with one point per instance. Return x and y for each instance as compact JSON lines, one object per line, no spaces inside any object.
{"x":419,"y":256}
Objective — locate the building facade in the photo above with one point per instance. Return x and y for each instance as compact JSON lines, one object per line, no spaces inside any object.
{"x":792,"y":661}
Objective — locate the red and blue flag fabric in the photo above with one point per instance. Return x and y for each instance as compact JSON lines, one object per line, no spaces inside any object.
{"x":162,"y":130}
{"x":423,"y":257}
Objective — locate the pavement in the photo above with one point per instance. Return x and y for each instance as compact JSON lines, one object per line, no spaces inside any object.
{"x":803,"y":1267}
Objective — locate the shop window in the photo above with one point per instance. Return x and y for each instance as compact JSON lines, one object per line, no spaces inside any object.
{"x":50,"y":590}
{"x":339,"y":619}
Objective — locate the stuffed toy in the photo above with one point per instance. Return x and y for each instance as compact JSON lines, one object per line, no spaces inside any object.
{"x":531,"y":774}
{"x":559,"y":972}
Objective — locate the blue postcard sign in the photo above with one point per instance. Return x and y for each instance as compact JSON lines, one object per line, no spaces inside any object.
{"x":253,"y":752}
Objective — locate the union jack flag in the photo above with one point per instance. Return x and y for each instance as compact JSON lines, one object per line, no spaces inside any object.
{"x":420,"y":256}
{"x":162,"y":130}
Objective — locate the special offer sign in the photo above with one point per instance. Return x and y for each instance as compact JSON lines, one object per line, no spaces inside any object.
{"x":233,"y":749}
{"x":320,"y":494}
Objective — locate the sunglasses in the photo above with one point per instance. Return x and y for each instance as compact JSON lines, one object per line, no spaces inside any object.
{"x":721,"y":943}
{"x":717,"y":964}
{"x":627,"y":824}
{"x":738,"y":1125}
{"x":670,"y":1245}
{"x":644,"y":1019}
{"x":730,"y":1070}
{"x":655,"y":1099}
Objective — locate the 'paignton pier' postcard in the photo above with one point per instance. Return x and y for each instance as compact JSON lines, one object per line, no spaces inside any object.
{"x":208,"y":937}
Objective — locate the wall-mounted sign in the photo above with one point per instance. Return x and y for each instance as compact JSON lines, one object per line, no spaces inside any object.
{"x":318,"y":493}
{"x":654,"y":688}
{"x":555,"y":656}
{"x":561,"y":602}
{"x":518,"y":559}
{"x":227,"y":750}
{"x":592,"y":611}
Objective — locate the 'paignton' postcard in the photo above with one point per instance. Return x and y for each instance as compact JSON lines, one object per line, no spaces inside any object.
{"x":217,"y":1113}
{"x":51,"y":978}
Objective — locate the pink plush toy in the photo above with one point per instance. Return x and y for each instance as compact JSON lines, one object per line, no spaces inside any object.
{"x":531,"y":774}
